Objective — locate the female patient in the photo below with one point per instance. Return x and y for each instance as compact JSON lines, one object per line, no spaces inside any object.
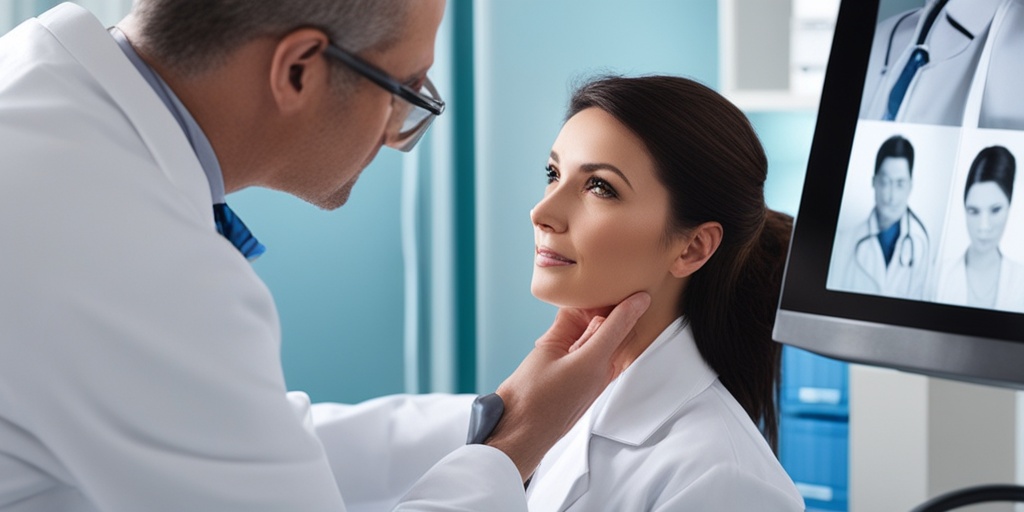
{"x":656,"y":184}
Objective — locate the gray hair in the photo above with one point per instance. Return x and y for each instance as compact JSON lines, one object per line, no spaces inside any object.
{"x":193,"y":36}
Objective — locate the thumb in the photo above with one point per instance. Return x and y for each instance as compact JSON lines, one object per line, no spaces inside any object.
{"x":603,"y":338}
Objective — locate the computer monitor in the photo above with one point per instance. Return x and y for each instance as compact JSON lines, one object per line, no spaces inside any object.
{"x":908,"y":249}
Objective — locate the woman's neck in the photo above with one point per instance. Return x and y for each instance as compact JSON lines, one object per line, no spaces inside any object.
{"x":657,"y":318}
{"x":982,"y":259}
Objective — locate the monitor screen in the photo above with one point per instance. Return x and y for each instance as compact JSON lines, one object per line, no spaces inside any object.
{"x":908,"y":250}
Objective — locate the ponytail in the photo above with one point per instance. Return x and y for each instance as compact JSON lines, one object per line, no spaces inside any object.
{"x":731,"y":305}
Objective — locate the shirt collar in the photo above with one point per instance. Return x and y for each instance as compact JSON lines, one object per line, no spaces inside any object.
{"x":666,"y":376}
{"x":196,"y":138}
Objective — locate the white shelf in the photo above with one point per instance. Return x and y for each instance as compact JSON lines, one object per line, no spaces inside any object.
{"x":773,"y":52}
{"x":762,"y":101}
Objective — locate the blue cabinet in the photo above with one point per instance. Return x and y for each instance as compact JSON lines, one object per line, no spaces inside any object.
{"x":814,"y":428}
{"x":814,"y":452}
{"x":813,"y":385}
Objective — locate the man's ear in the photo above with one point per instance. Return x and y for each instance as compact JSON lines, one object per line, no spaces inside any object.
{"x":296,"y":67}
{"x":697,"y":248}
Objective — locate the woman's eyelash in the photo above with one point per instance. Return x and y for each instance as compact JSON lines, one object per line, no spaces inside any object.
{"x":551,"y":174}
{"x":601,"y":188}
{"x":595,"y":185}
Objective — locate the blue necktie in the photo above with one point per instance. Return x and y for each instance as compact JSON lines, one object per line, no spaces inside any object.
{"x":918,"y":58}
{"x":229,"y":225}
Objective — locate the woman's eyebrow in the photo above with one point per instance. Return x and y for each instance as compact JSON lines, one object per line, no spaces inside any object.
{"x":590,"y":168}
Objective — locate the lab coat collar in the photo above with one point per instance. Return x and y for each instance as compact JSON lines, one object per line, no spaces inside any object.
{"x":874,"y":229}
{"x":972,"y":15}
{"x":85,"y":39}
{"x":663,"y":379}
{"x":193,"y":132}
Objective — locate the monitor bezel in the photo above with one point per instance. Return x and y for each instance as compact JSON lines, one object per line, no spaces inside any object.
{"x":918,"y":336}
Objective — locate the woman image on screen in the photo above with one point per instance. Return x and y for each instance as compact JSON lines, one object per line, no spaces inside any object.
{"x":983,"y":277}
{"x":656,"y":184}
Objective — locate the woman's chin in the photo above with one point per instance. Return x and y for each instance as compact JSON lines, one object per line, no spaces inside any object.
{"x":561,"y":299}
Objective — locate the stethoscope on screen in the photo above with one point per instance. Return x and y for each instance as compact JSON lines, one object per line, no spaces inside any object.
{"x":907,"y":247}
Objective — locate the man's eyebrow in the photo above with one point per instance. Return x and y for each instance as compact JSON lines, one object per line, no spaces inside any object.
{"x":416,"y":77}
{"x":589,"y":168}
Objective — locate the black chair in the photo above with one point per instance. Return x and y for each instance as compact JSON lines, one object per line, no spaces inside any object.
{"x":972,"y":495}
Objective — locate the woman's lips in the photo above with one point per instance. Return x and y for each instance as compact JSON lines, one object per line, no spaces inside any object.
{"x":548,"y":258}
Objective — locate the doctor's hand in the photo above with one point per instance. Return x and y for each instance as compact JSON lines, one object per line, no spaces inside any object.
{"x":567,"y":370}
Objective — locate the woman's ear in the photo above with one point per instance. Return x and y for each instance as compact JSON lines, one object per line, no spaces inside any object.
{"x":296,"y":68}
{"x":696,"y":248}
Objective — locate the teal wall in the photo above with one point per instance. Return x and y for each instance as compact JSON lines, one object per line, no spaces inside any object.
{"x":786,"y":136}
{"x":337,"y":280}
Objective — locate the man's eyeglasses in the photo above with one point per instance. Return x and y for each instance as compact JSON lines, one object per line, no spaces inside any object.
{"x":412,"y":110}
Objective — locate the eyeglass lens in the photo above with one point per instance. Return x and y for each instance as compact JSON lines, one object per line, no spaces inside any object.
{"x":409,"y":122}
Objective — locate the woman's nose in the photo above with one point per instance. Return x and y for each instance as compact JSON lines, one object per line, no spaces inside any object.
{"x":546,"y":216}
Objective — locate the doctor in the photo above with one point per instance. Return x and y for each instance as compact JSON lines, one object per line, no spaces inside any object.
{"x":887,"y":254}
{"x":925,"y":62}
{"x":139,"y":352}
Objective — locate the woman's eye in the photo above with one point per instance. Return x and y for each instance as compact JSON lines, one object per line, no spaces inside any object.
{"x":601,"y":188}
{"x":551,"y":174}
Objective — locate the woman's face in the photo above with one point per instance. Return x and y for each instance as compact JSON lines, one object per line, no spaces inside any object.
{"x":987,"y":208}
{"x":600,"y":230}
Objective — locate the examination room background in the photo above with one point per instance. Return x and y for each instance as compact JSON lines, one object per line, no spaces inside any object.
{"x":421,"y":282}
{"x":455,"y":235}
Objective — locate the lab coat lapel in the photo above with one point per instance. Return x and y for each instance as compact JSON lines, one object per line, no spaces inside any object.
{"x":566,"y":479}
{"x":90,"y":44}
{"x":1005,"y":294}
{"x":647,"y":395}
{"x":973,"y":17}
{"x":869,"y":255}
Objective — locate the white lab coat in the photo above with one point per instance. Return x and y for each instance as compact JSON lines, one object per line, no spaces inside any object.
{"x":952,"y":288}
{"x":858,"y":264}
{"x":139,"y":352}
{"x":665,"y":436}
{"x":939,"y":91}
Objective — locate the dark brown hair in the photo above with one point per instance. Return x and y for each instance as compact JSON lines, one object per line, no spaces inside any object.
{"x":712,"y":163}
{"x":995,"y":164}
{"x":895,"y":147}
